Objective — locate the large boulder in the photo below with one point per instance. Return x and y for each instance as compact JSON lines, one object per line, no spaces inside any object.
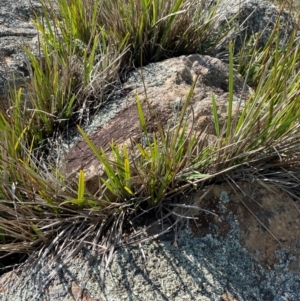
{"x":167,"y":85}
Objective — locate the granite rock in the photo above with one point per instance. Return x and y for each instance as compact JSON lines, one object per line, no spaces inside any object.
{"x":254,"y":16}
{"x":167,"y":84}
{"x":16,"y":31}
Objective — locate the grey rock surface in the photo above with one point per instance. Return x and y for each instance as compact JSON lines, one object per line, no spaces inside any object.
{"x":208,"y":268}
{"x":254,"y":16}
{"x":16,"y":31}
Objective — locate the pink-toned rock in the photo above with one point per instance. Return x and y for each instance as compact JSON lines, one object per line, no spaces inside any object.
{"x":268,"y":218}
{"x":167,"y":85}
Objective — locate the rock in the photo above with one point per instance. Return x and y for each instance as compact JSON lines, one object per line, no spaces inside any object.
{"x":254,"y":16}
{"x":268,"y":219}
{"x":228,"y":258}
{"x":167,"y":84}
{"x":16,"y":30}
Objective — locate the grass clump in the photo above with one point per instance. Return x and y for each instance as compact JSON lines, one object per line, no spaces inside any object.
{"x":158,"y":30}
{"x":79,"y":64}
{"x":84,"y":48}
{"x":158,"y":165}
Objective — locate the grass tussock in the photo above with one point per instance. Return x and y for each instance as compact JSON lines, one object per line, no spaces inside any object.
{"x":85,"y":47}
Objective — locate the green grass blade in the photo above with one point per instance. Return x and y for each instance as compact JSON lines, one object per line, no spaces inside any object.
{"x":215,"y":114}
{"x":230,"y":97}
{"x":141,"y":115}
{"x":90,"y":143}
{"x":81,"y":185}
